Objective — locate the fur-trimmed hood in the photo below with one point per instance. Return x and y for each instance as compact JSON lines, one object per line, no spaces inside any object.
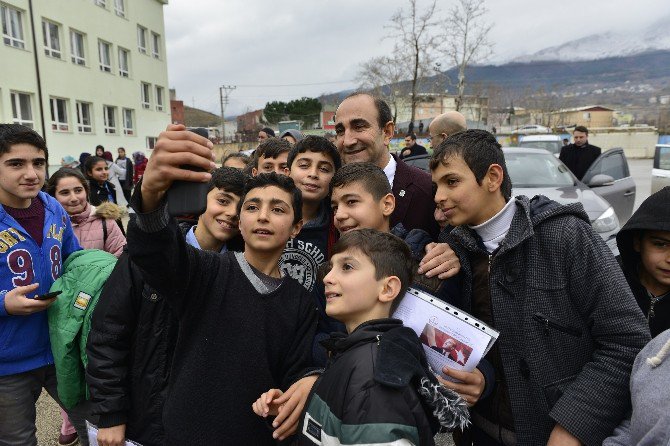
{"x":109,"y":210}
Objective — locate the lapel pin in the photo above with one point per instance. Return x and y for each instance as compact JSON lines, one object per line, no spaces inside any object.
{"x":402,"y":193}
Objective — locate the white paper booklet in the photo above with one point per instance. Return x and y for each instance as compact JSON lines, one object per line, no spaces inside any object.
{"x":450,"y":337}
{"x":93,"y":436}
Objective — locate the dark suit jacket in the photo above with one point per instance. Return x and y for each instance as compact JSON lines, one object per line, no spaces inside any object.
{"x":413,"y":188}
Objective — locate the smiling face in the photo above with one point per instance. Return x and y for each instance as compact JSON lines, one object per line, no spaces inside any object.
{"x":71,"y":194}
{"x":266,"y":219}
{"x":219,"y":222}
{"x":99,"y":171}
{"x":268,"y":165}
{"x":654,"y":249}
{"x":312,"y":172}
{"x":358,"y":136}
{"x":22,"y":173}
{"x":356,"y":208}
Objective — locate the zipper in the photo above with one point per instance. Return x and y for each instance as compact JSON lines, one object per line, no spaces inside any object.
{"x":548,"y":323}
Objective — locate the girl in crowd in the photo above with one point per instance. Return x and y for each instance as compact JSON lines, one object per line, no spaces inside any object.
{"x":140,"y":165}
{"x":126,"y":178}
{"x":100,"y":189}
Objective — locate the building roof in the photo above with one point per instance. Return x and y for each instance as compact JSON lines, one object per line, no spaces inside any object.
{"x":586,"y":108}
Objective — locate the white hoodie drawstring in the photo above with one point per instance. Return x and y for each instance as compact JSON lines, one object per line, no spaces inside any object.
{"x":660,"y":356}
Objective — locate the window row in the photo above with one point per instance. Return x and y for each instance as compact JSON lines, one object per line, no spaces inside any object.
{"x":60,"y":115}
{"x":119,"y":6}
{"x":13,"y":35}
{"x":146,"y":97}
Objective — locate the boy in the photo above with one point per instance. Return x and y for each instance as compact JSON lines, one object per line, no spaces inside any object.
{"x":536,"y":271}
{"x":35,"y":239}
{"x":271,"y":156}
{"x":134,"y":332}
{"x":377,"y":388}
{"x":243,"y":327}
{"x":644,"y":244}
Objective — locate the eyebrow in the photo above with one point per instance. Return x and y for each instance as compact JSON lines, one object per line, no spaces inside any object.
{"x":272,"y":201}
{"x":662,"y":239}
{"x":14,"y":160}
{"x":345,"y":196}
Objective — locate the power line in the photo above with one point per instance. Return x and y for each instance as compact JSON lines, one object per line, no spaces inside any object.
{"x":293,"y":85}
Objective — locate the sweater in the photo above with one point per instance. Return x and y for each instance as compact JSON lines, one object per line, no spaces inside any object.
{"x":235,"y":341}
{"x":88,"y":227}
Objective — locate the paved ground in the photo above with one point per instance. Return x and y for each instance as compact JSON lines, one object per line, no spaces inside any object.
{"x":48,"y":417}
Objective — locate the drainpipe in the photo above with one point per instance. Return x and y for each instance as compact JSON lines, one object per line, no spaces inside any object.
{"x":37,"y":71}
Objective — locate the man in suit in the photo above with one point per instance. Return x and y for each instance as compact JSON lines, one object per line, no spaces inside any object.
{"x":412,"y":148}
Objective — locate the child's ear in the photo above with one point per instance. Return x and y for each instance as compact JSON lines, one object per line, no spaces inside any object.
{"x":296,"y":228}
{"x":254,"y":172}
{"x":494,"y":177}
{"x":388,"y":204}
{"x":390,"y":289}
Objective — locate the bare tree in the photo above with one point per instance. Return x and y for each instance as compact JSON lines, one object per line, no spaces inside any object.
{"x":467,"y":39}
{"x":414,"y":30}
{"x":383,"y":76}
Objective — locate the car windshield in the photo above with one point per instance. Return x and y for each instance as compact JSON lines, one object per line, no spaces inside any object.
{"x":537,"y":170}
{"x":552,"y":146}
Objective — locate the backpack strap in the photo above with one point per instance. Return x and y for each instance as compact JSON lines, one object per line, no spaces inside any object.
{"x":104,"y":231}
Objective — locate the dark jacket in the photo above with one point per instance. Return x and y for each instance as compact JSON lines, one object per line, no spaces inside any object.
{"x":99,"y":193}
{"x":413,"y":189}
{"x":579,"y":159}
{"x":415,"y":150}
{"x":652,"y":215}
{"x":378,"y":376}
{"x":569,"y":326}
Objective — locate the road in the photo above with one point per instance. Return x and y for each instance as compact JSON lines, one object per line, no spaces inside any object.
{"x":48,"y":423}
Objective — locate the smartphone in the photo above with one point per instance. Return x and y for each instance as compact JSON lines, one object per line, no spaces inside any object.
{"x":47,"y":296}
{"x":187,"y":197}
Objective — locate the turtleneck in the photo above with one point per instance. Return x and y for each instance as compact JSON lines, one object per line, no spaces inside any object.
{"x":494,"y":230}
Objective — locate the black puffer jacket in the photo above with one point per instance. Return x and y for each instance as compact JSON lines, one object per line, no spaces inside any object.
{"x":652,"y":215}
{"x":130,"y":348}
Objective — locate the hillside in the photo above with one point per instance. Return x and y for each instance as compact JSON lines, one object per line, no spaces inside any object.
{"x":194,"y":117}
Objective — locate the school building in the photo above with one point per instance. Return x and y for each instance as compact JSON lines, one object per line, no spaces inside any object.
{"x":85,"y":72}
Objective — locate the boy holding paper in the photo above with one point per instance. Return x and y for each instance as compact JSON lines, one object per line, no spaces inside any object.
{"x":378,"y":375}
{"x":537,"y":272}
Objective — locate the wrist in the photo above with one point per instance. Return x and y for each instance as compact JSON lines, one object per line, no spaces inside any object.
{"x":151,"y":199}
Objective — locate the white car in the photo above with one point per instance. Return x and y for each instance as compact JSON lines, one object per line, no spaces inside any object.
{"x":551,"y":143}
{"x":532,"y":129}
{"x":660,"y":174}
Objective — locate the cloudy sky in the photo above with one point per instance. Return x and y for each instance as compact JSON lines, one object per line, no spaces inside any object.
{"x":266,"y":47}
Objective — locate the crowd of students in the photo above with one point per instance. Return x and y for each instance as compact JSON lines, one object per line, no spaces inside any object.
{"x":268,"y":318}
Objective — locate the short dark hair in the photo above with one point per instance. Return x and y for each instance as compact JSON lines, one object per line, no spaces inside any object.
{"x":411,"y":135}
{"x":282,"y":182}
{"x":65,"y":172}
{"x":479,"y":149}
{"x":240,"y":155}
{"x":228,"y":178}
{"x":389,"y":254}
{"x":11,"y":134}
{"x":384,"y":114}
{"x":90,"y":162}
{"x":370,"y":176}
{"x":316,"y":144}
{"x":581,"y":128}
{"x":271,"y":148}
{"x":268,"y":131}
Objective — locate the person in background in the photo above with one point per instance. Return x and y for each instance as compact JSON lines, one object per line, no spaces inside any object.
{"x":265,"y":133}
{"x":271,"y":156}
{"x":69,"y":161}
{"x":292,"y":136}
{"x":412,"y":148}
{"x":101,"y":189}
{"x":445,"y":125}
{"x":126,"y":177}
{"x":237,"y":160}
{"x":99,"y":151}
{"x":140,"y":165}
{"x":82,"y":161}
{"x":579,"y":155}
{"x":115,"y":172}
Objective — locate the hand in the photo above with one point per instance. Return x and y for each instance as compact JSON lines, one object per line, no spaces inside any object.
{"x":112,"y":436}
{"x":17,"y":302}
{"x":265,"y":405}
{"x":175,"y":147}
{"x":291,"y":404}
{"x":471,"y":386}
{"x":440,"y":260}
{"x":561,"y":437}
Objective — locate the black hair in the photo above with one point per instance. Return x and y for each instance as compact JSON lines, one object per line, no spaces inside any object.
{"x":228,"y":178}
{"x":11,"y":134}
{"x":90,"y":162}
{"x":271,"y":148}
{"x":370,"y":176}
{"x":581,"y":128}
{"x":384,"y":115}
{"x":479,"y":149}
{"x":268,"y":131}
{"x":316,"y":144}
{"x":412,"y":136}
{"x":245,"y":158}
{"x":282,"y":182}
{"x":65,"y":172}
{"x":389,"y":254}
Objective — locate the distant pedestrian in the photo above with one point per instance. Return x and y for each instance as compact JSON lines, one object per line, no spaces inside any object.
{"x":140,"y":165}
{"x":126,"y":178}
{"x":579,"y":155}
{"x":420,"y":127}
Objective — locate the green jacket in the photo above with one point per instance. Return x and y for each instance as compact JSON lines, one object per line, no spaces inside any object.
{"x":85,"y":273}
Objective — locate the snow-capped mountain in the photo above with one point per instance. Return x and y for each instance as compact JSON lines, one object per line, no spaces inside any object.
{"x":610,"y":44}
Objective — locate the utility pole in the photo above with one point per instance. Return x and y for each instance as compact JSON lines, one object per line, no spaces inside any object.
{"x":224,"y":91}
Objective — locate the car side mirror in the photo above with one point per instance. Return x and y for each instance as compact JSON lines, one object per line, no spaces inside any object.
{"x":601,"y":180}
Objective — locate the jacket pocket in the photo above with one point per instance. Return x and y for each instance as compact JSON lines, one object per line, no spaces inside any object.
{"x":554,"y":391}
{"x":548,"y":323}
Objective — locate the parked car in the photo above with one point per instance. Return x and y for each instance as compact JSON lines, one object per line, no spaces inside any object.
{"x":660,"y":173}
{"x":552,"y":143}
{"x":532,"y":129}
{"x":603,"y":194}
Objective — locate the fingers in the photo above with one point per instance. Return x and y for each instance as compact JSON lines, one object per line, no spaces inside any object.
{"x":289,"y":425}
{"x":287,"y":409}
{"x":440,"y":260}
{"x":26,"y":289}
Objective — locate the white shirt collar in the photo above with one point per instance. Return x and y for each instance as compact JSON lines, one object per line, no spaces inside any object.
{"x":389,"y":170}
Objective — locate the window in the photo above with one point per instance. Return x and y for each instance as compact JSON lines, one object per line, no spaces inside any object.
{"x":119,"y":8}
{"x":77,"y":48}
{"x":59,"y":115}
{"x":21,"y":110}
{"x":613,"y":165}
{"x":662,"y":160}
{"x":109,"y":118}
{"x":128,"y":128}
{"x":51,"y":39}
{"x":156,"y":45}
{"x":12,"y":27}
{"x":151,"y":142}
{"x":84,"y":121}
{"x":124,"y":56}
{"x":101,"y":3}
{"x":146,"y":95}
{"x":142,"y":39}
{"x":159,"y":98}
{"x":105,"y":54}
